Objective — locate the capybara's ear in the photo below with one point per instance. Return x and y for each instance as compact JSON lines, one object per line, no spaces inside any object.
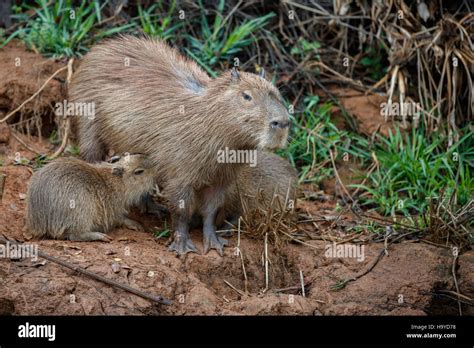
{"x":118,"y":171}
{"x":234,"y":75}
{"x":262,"y":73}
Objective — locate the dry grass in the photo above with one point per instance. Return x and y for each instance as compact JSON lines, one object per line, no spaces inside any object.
{"x":429,"y":52}
{"x":448,"y":225}
{"x":271,"y":220}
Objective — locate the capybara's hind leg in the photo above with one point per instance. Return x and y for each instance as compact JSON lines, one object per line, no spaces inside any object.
{"x":213,"y":198}
{"x":92,"y":148}
{"x":90,"y":237}
{"x":211,"y":240}
{"x":132,"y":224}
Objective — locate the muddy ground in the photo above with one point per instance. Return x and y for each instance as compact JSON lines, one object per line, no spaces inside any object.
{"x":413,"y":279}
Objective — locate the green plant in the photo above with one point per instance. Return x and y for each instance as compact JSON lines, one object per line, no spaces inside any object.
{"x":412,"y":168}
{"x":60,"y":29}
{"x":164,"y":233}
{"x":370,"y":226}
{"x":303,"y":47}
{"x":73,"y":150}
{"x":53,"y":137}
{"x":372,"y":61}
{"x":312,"y":137}
{"x":218,"y":41}
{"x":40,"y":161}
{"x":154,"y":21}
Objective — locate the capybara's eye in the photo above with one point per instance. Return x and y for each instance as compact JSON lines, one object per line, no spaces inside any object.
{"x":139,"y":171}
{"x":246,"y":96}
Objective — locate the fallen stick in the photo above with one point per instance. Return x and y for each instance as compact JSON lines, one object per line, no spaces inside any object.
{"x":61,"y":148}
{"x":59,"y":151}
{"x":374,"y":263}
{"x":453,"y":270}
{"x":29,"y":148}
{"x":98,"y":277}
{"x":296,"y":287}
{"x":240,"y":292}
{"x":2,"y":184}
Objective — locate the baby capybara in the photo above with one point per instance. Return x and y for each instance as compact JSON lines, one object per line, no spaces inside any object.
{"x":273,"y":179}
{"x":75,"y":200}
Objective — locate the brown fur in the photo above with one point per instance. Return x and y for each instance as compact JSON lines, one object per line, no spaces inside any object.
{"x":101,"y":194}
{"x":165,"y":106}
{"x":256,"y":186}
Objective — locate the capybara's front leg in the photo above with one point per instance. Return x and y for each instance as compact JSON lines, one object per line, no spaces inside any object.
{"x":182,"y":243}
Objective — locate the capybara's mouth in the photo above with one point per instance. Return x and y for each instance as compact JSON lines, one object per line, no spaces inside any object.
{"x":274,"y":145}
{"x":275,"y":140}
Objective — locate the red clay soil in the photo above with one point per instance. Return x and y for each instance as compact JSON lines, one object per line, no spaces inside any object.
{"x":364,"y":110}
{"x":22,"y":73}
{"x":402,"y":283}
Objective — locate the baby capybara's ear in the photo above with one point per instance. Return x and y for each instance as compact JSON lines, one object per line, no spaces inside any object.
{"x":234,"y":75}
{"x":118,"y":171}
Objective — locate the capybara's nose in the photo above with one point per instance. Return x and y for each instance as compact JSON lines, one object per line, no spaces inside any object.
{"x":279,"y":124}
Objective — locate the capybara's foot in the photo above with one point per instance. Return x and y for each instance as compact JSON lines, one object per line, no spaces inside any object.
{"x":132,"y":224}
{"x":182,"y":244}
{"x":90,"y":236}
{"x":212,"y":241}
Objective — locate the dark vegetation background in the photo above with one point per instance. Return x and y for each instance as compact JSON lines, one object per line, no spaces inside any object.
{"x":419,"y":173}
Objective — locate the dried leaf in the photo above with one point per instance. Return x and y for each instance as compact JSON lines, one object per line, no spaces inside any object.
{"x":423,"y":11}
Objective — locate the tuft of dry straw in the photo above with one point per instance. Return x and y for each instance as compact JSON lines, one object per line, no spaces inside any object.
{"x":273,"y":220}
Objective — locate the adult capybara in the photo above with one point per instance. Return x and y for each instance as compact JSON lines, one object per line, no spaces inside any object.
{"x":75,"y":200}
{"x":150,"y":99}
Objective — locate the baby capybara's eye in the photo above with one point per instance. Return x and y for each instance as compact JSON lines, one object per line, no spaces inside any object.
{"x":246,"y":96}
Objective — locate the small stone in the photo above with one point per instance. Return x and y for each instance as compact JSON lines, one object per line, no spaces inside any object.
{"x":115,"y":267}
